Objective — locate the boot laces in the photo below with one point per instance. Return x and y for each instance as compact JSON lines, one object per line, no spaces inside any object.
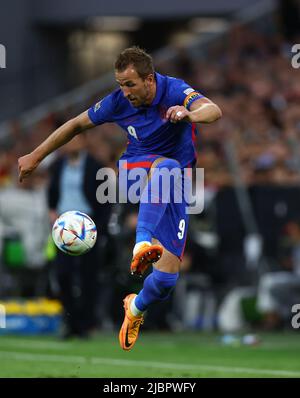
{"x":135,"y":326}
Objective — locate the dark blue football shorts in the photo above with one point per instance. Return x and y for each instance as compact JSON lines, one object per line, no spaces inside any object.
{"x":172,"y":228}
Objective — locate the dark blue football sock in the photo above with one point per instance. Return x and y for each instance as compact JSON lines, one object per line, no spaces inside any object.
{"x":157,"y":287}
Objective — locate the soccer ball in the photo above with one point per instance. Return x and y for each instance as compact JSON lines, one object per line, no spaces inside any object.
{"x":74,"y":233}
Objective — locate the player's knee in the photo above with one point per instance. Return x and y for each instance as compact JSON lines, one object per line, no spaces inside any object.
{"x":164,"y":283}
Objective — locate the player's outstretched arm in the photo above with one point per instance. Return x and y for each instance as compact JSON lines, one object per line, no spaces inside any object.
{"x":28,"y":163}
{"x":202,"y":110}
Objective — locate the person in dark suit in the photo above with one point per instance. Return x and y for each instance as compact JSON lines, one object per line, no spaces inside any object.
{"x":73,"y":186}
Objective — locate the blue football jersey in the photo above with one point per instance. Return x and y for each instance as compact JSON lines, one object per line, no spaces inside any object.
{"x":148,"y":130}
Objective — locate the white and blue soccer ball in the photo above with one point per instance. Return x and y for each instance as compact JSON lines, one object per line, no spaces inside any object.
{"x":74,"y":233}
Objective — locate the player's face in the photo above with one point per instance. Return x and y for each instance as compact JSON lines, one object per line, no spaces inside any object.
{"x":138,"y":91}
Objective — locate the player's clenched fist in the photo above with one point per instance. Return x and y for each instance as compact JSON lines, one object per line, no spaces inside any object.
{"x":177,"y":113}
{"x":27,"y":164}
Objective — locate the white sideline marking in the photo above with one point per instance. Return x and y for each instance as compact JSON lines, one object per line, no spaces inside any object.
{"x":159,"y":365}
{"x":36,"y":345}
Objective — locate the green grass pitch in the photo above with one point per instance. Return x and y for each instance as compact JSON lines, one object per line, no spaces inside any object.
{"x":155,"y":355}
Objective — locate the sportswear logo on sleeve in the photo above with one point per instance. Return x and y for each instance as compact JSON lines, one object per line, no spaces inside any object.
{"x":188,"y":91}
{"x":97,"y":106}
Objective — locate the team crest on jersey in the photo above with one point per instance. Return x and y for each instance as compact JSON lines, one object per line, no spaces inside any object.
{"x":97,"y":106}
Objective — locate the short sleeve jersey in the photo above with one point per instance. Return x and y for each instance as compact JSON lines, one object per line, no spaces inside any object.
{"x":148,"y":130}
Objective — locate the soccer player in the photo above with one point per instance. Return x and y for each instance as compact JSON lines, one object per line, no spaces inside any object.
{"x":158,"y":113}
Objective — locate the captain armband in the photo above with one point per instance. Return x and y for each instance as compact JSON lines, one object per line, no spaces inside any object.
{"x":191,"y":98}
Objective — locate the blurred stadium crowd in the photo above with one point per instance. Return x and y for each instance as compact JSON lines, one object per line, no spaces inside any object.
{"x":255,"y":146}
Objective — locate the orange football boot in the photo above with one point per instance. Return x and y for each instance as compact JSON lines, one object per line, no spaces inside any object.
{"x":130,"y":328}
{"x":145,"y":256}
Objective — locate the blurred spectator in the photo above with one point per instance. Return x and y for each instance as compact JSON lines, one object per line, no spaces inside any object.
{"x":278,"y":291}
{"x":23,"y":212}
{"x":73,"y":186}
{"x":24,"y":233}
